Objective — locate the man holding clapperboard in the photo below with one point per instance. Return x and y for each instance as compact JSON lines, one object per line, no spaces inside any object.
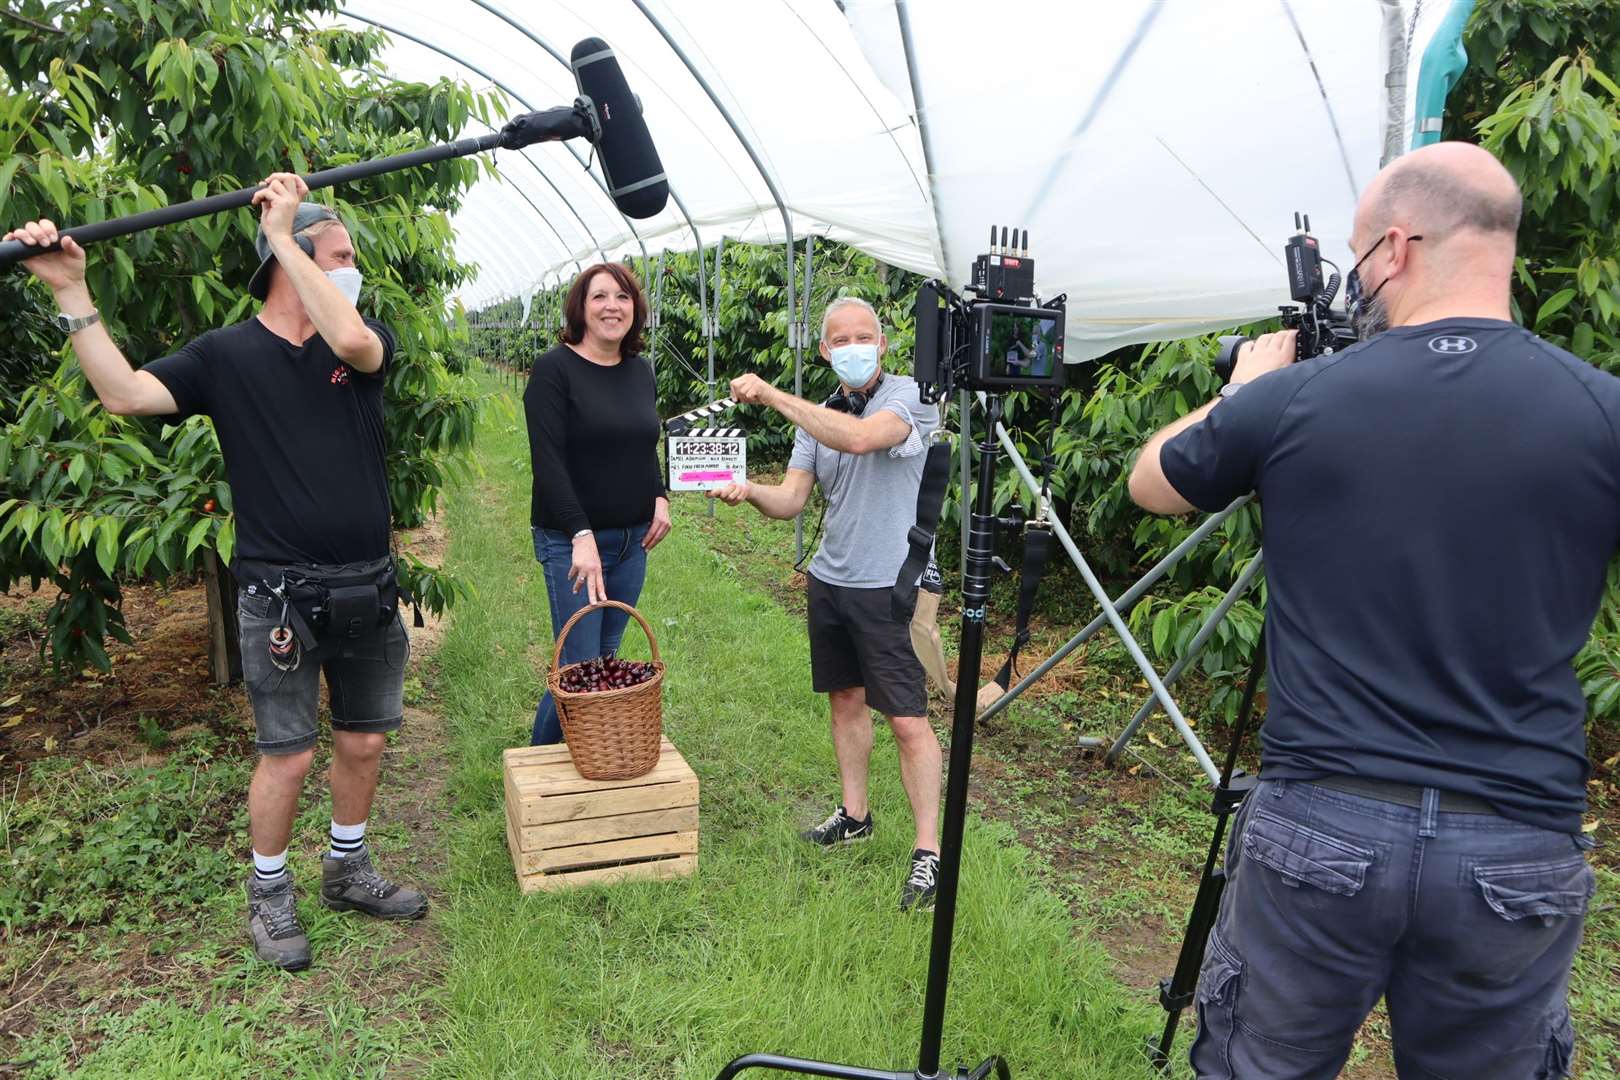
{"x":865,"y":447}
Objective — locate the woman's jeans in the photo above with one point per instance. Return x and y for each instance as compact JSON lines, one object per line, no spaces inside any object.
{"x":624,"y":568}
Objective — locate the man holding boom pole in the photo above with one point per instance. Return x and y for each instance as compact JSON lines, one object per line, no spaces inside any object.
{"x":296,"y":397}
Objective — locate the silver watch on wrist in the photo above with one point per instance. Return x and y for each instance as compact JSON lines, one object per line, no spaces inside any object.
{"x":1231,"y":388}
{"x":72,"y":324}
{"x":582,"y":532}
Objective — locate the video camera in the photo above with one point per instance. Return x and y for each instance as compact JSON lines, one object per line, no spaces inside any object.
{"x":1321,"y":329}
{"x":999,"y":336}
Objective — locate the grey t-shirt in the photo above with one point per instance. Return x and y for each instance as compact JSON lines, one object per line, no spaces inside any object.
{"x":871,"y":498}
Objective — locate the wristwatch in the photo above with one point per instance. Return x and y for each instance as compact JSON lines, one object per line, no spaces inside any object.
{"x":72,"y":324}
{"x":1231,"y":388}
{"x":582,"y":532}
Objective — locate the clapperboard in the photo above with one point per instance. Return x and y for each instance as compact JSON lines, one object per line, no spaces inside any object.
{"x":705,"y":458}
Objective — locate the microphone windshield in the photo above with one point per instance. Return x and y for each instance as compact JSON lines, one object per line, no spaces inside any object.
{"x":635,"y":176}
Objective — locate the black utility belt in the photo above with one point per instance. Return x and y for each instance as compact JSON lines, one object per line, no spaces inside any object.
{"x":1408,"y":795}
{"x":327,"y":605}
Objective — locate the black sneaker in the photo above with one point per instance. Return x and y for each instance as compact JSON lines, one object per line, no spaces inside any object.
{"x":917,"y":894}
{"x":840,"y":828}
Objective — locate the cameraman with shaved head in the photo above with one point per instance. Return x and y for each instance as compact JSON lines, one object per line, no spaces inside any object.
{"x":1441,"y":504}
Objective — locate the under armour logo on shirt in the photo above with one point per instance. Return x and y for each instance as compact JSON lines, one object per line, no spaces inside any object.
{"x":340,"y":375}
{"x":1452,"y":344}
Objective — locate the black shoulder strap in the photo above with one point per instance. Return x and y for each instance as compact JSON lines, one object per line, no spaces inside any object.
{"x":936,"y":478}
{"x":1037,"y":549}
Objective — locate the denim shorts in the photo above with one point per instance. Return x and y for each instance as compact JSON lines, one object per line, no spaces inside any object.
{"x":366,"y":680}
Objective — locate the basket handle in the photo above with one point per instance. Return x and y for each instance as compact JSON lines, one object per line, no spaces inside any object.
{"x":556,"y":652}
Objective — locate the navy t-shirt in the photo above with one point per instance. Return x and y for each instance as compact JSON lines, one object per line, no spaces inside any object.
{"x":302,"y":436}
{"x":1441,"y":504}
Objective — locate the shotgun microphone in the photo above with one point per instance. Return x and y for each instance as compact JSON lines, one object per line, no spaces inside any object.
{"x":635,"y":176}
{"x":606,"y":113}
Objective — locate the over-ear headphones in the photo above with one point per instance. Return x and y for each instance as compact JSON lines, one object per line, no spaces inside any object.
{"x":854,"y":402}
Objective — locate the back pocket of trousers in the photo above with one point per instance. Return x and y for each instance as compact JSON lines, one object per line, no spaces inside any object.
{"x":1302,"y":855}
{"x":1546,"y":891}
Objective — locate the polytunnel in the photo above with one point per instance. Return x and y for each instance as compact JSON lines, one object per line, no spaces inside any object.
{"x":1154,"y":149}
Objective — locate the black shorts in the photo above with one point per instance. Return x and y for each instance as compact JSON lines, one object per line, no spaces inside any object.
{"x":856,"y":641}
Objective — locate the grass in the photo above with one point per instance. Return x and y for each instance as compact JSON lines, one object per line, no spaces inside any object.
{"x":771,"y":946}
{"x":124,"y":940}
{"x":132,"y":963}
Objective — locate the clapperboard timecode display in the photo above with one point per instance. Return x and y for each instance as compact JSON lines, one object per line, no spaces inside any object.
{"x":706,"y":459}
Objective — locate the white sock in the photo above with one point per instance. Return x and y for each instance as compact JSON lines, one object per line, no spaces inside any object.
{"x":268,"y":868}
{"x":347,"y":839}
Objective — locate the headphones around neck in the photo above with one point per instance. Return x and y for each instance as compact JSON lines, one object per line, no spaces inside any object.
{"x":854,"y":402}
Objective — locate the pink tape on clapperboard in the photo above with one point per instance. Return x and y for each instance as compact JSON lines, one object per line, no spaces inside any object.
{"x":700,"y":477}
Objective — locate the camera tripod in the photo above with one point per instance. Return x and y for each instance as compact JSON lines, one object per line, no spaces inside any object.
{"x":975,"y":594}
{"x":1176,"y":992}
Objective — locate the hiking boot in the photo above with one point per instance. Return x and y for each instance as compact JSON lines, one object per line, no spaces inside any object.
{"x":351,"y":884}
{"x":840,"y":828}
{"x":273,"y":924}
{"x":917,"y":894}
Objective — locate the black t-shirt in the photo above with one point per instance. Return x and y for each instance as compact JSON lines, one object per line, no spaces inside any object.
{"x":593,"y":440}
{"x":302,"y":435}
{"x":1441,"y":504}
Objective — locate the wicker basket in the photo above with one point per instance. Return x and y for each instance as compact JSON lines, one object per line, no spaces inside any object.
{"x":611,"y":734}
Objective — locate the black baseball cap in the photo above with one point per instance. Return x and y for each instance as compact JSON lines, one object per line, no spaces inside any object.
{"x":307,"y":215}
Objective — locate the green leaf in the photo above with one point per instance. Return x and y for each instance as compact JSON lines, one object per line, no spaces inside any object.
{"x":195,"y":536}
{"x":225,"y":539}
{"x":1555,"y":303}
{"x":1581,"y":341}
{"x":107,"y":545}
{"x":7,"y":171}
{"x":53,"y":537}
{"x":160,"y":52}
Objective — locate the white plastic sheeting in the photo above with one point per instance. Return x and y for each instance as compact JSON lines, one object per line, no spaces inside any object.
{"x":1154,"y":149}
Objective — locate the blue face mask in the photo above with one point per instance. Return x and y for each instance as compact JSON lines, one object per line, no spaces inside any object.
{"x":855,"y":364}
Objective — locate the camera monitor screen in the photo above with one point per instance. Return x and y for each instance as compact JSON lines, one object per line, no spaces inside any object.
{"x":1019,"y":346}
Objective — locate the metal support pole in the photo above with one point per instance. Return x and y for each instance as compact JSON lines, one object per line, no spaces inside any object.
{"x":657,"y":312}
{"x":1113,"y":616}
{"x":711,"y":327}
{"x":1194,"y":647}
{"x":776,"y":194}
{"x":809,"y":276}
{"x":1122,"y":603}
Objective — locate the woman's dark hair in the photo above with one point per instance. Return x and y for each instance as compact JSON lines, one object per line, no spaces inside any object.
{"x":573,"y":331}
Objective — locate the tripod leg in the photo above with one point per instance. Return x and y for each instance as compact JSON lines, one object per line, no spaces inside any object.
{"x":988,"y":1065}
{"x":1176,"y":992}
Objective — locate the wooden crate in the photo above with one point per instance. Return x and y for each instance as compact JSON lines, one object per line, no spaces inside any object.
{"x":566,"y":830}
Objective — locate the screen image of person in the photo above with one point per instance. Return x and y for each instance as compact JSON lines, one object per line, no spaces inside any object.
{"x":598,"y":503}
{"x":295,"y":394}
{"x":1440,"y":503}
{"x":865,"y":448}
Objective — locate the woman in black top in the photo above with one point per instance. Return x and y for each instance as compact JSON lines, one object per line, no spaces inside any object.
{"x":599,"y":503}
